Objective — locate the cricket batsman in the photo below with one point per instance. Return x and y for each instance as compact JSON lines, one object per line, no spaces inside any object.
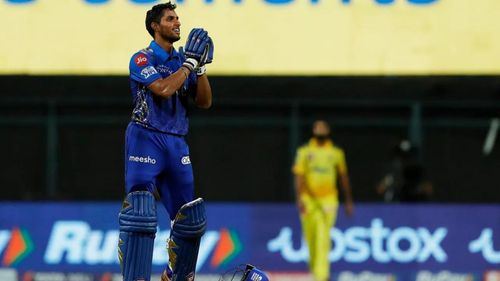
{"x":318,"y":166}
{"x":162,"y":79}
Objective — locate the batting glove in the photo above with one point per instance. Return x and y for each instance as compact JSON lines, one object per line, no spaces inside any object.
{"x":195,"y":47}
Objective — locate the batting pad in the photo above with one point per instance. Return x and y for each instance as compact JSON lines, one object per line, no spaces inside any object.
{"x":138,"y":223}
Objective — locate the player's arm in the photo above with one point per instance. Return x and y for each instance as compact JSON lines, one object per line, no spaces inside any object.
{"x":300,"y":188}
{"x":345,"y":184}
{"x":195,"y":52}
{"x":300,"y":184}
{"x":203,"y":96}
{"x":298,"y":170}
{"x":144,"y":71}
{"x":166,"y":87}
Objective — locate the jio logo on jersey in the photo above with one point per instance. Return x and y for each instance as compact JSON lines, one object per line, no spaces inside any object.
{"x":141,"y":60}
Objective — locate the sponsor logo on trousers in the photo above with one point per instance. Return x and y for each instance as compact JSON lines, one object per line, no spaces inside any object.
{"x":185,"y":160}
{"x":140,"y":159}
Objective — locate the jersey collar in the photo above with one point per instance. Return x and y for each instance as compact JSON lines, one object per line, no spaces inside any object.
{"x":314,"y":143}
{"x":161,"y":53}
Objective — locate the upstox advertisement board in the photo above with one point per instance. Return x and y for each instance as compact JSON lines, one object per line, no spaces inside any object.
{"x":392,"y":239}
{"x":260,"y":37}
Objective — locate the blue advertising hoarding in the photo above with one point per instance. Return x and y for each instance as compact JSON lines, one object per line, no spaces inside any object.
{"x":403,"y":239}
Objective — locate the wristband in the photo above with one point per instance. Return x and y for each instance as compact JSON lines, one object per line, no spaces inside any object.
{"x":190,"y":64}
{"x":201,"y":70}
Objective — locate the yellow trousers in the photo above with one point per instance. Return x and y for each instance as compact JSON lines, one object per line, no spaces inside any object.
{"x":317,"y":218}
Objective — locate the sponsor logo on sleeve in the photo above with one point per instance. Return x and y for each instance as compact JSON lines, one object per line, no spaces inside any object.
{"x":148,"y":71}
{"x":141,"y":60}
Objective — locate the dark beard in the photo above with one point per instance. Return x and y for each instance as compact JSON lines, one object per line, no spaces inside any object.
{"x":321,"y":138}
{"x":170,"y":39}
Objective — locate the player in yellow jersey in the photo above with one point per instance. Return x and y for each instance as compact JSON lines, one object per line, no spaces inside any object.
{"x":319,"y":165}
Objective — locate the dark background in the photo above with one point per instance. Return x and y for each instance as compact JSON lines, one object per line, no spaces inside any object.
{"x":242,"y":149}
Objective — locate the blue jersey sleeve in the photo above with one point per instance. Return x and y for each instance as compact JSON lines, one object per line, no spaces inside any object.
{"x":142,"y":69}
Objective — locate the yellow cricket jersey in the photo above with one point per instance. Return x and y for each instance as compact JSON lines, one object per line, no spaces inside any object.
{"x":320,"y":166}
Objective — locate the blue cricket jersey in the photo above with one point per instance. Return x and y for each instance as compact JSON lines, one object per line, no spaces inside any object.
{"x":168,"y":115}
